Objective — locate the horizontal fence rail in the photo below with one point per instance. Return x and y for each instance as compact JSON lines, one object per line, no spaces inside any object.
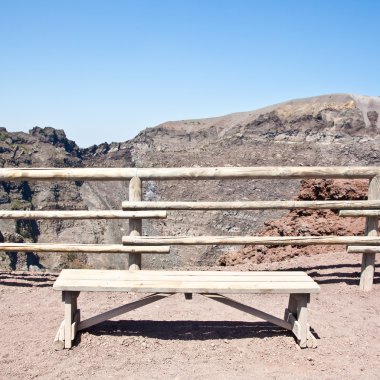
{"x":363,"y":249}
{"x":85,"y":214}
{"x":252,"y":240}
{"x":136,"y":209}
{"x":96,"y":174}
{"x":365,"y":212}
{"x":254,"y":205}
{"x":85,"y":248}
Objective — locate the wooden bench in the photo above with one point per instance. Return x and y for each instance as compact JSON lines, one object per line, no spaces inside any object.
{"x":166,"y":283}
{"x":212,"y":285}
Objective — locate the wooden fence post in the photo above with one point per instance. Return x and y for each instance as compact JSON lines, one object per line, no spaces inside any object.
{"x":371,"y":229}
{"x":135,"y":225}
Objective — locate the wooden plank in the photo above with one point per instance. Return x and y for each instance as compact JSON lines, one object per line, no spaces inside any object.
{"x":296,"y":327}
{"x":88,"y":274}
{"x":135,"y":225}
{"x":74,"y":302}
{"x":221,"y":278}
{"x":193,"y":279}
{"x":88,"y":248}
{"x":95,"y":174}
{"x":117,"y":273}
{"x":120,"y":310}
{"x":82,"y":214}
{"x":250,"y":310}
{"x":302,"y":316}
{"x":75,"y":324}
{"x":311,"y":341}
{"x":354,"y":213}
{"x":292,"y":307}
{"x":371,"y":230}
{"x":177,"y":282}
{"x":148,"y":272}
{"x":59,"y":340}
{"x":69,"y":314}
{"x":242,"y":240}
{"x":187,"y":286}
{"x":363,"y":249}
{"x":252,"y":205}
{"x":183,"y":278}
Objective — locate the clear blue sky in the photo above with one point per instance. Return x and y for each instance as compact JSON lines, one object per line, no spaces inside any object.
{"x":104,"y":70}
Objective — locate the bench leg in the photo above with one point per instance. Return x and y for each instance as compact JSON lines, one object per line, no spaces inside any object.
{"x":297,"y":315}
{"x":72,"y":317}
{"x":292,"y":307}
{"x":302,"y":314}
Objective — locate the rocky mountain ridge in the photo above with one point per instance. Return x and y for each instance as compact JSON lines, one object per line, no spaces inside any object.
{"x":338,"y":129}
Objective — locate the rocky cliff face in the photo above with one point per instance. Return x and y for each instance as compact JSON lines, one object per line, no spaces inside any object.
{"x":327,"y":130}
{"x":48,"y":147}
{"x":306,"y":223}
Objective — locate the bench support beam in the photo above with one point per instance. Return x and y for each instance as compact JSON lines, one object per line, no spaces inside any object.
{"x":121,"y":310}
{"x":297,"y":315}
{"x":72,"y":323}
{"x":72,"y":316}
{"x":248,"y":309}
{"x":159,"y":285}
{"x":295,"y":319}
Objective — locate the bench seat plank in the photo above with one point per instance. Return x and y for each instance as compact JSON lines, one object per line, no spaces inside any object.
{"x":185,"y":281}
{"x":144,"y":274}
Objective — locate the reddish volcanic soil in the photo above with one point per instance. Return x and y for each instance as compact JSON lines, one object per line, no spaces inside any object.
{"x":306,"y":223}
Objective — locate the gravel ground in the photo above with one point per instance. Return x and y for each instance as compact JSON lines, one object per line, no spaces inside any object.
{"x":196,"y":339}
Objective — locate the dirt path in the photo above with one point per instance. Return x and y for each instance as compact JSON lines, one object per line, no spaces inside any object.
{"x":195,"y":339}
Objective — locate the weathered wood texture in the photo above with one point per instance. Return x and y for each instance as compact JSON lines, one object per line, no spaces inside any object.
{"x":250,"y":310}
{"x":59,"y":340}
{"x":253,"y":205}
{"x":86,"y":214}
{"x":149,"y":274}
{"x":95,"y":174}
{"x":302,"y":317}
{"x":121,"y":310}
{"x":242,"y":240}
{"x":184,"y":282}
{"x":360,"y":212}
{"x":363,"y":249}
{"x":70,"y":301}
{"x":166,"y":283}
{"x":135,"y":225}
{"x":371,"y":230}
{"x":86,"y":248}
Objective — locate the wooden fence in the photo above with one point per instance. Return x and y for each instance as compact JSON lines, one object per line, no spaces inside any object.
{"x":135,"y":209}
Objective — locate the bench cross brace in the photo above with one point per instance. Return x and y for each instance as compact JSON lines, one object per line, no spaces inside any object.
{"x":72,"y":324}
{"x":295,"y":319}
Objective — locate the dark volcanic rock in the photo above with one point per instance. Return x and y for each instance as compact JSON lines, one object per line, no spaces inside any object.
{"x":56,"y":137}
